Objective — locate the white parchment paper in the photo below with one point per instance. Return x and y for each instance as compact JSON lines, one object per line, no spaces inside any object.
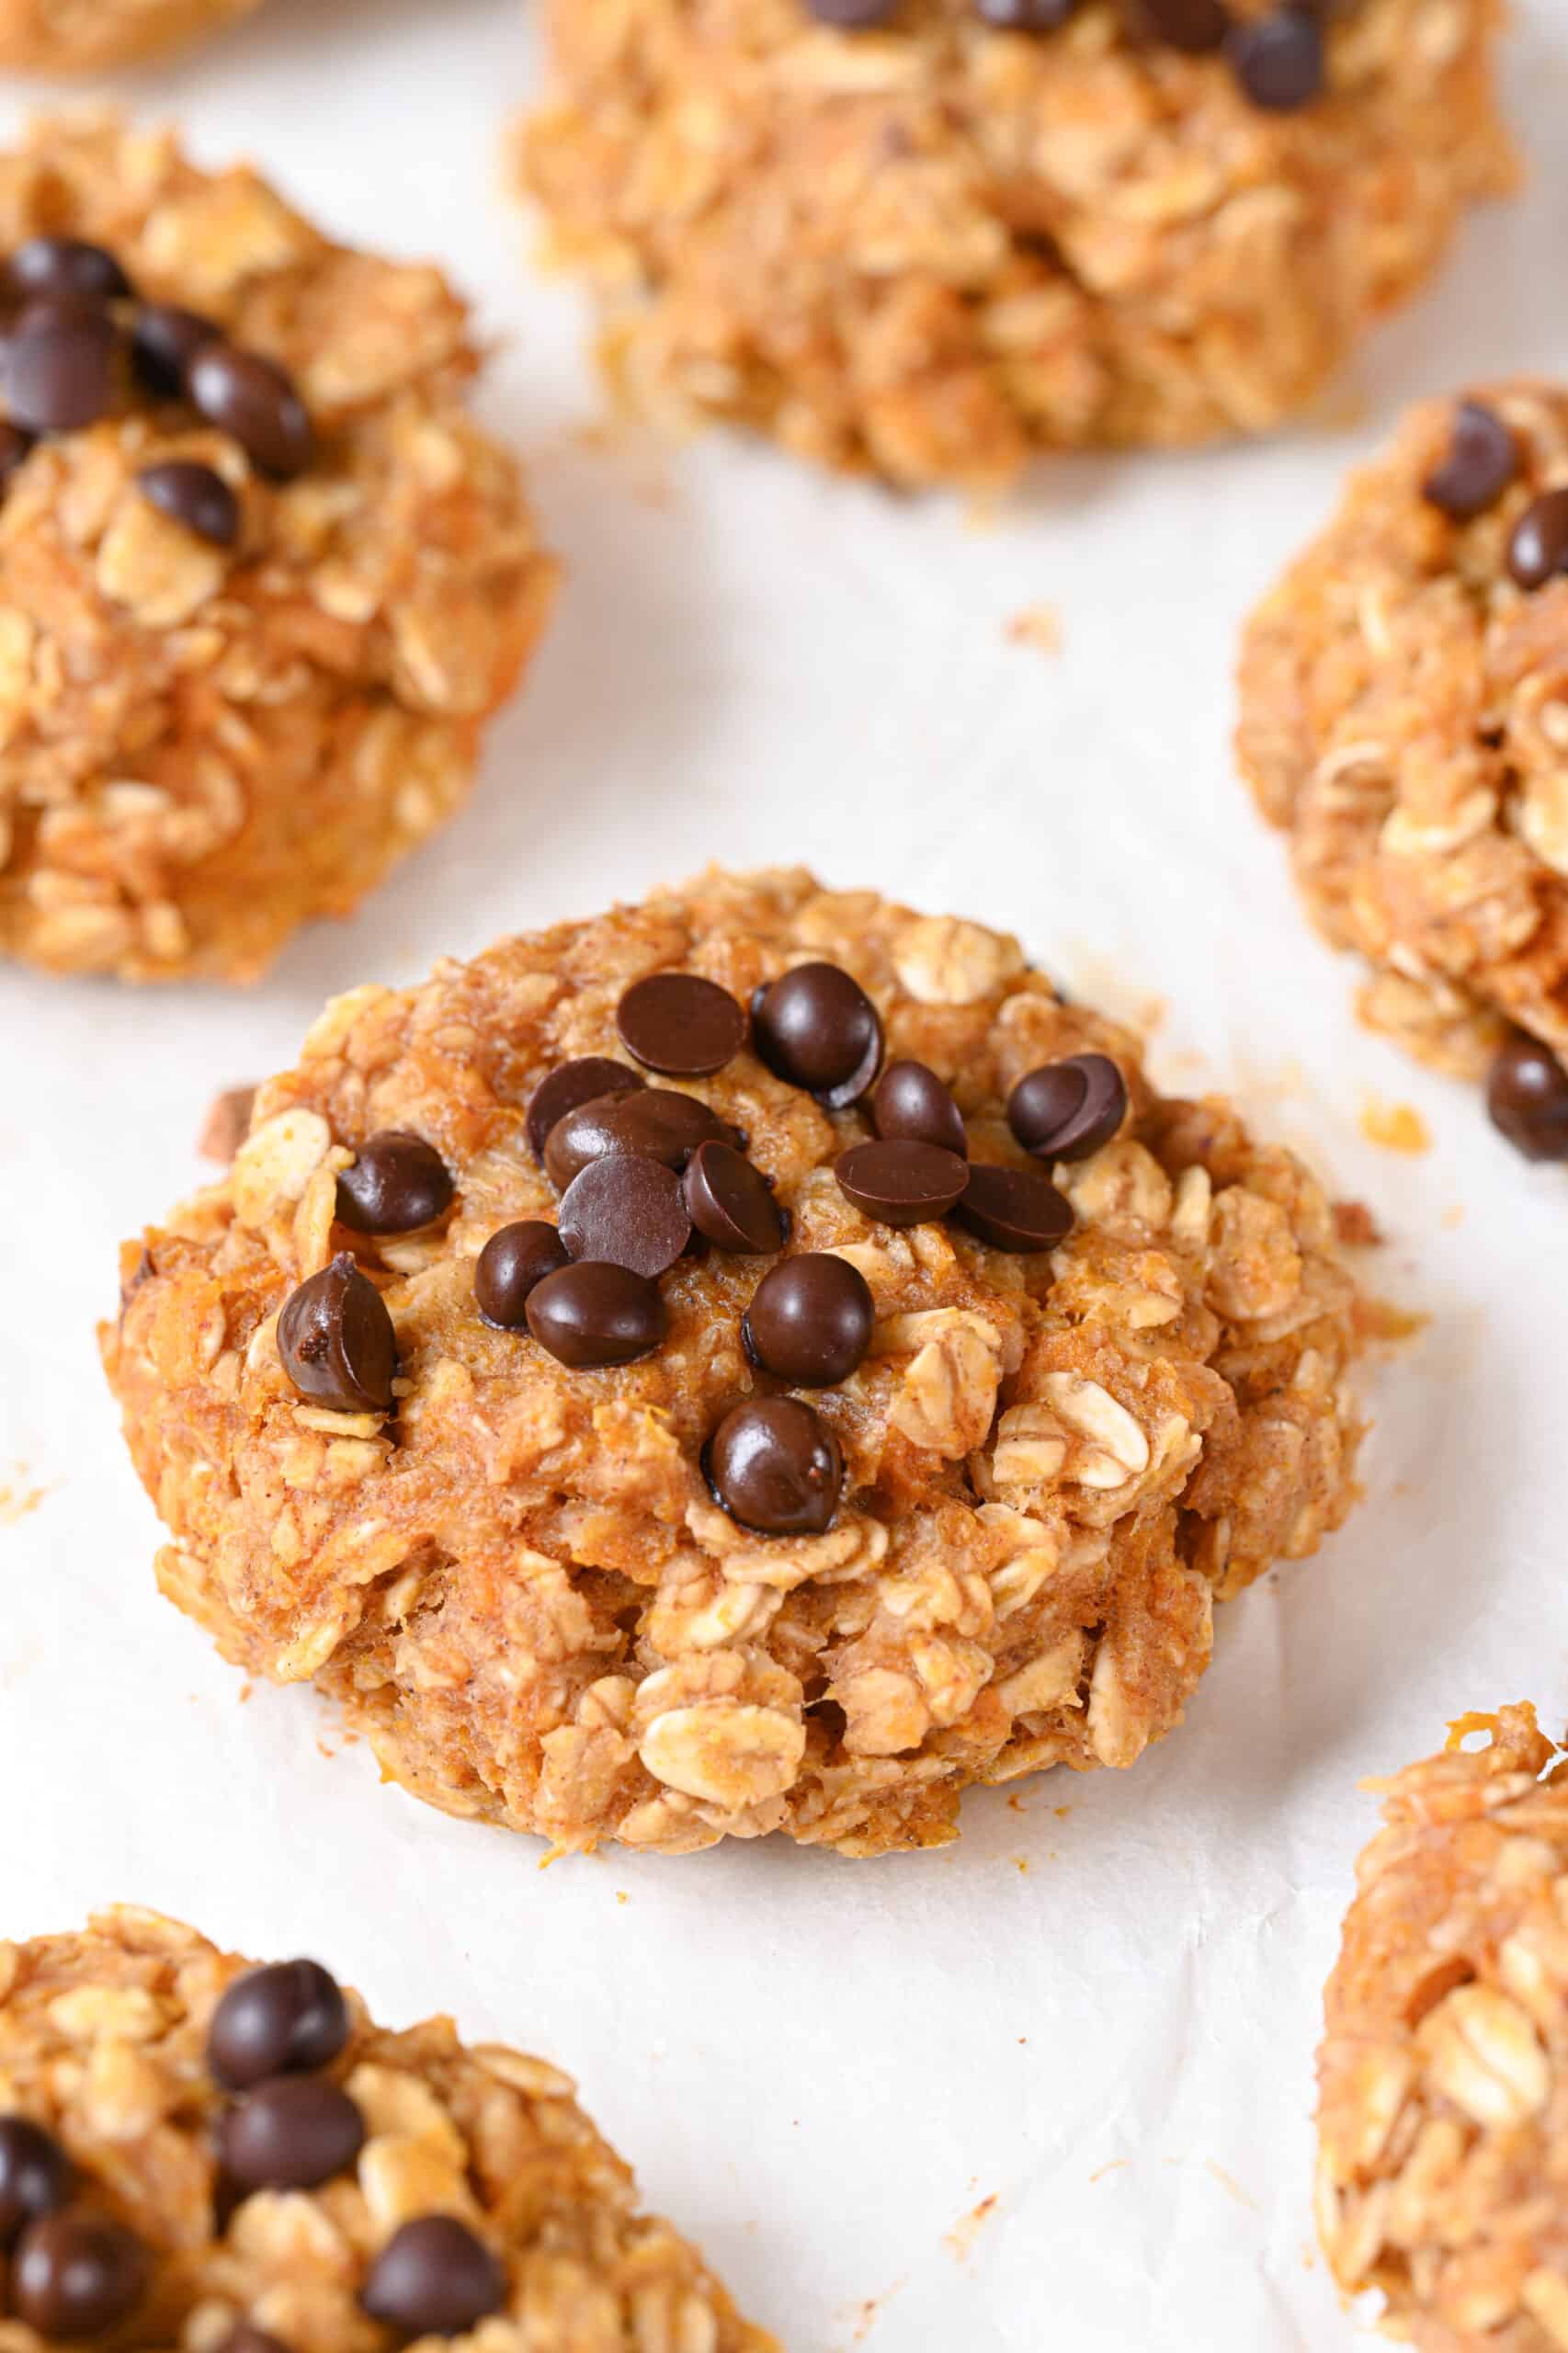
{"x":1049,"y":2087}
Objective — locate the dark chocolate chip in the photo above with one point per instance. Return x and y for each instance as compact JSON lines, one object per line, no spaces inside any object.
{"x":816,"y":1029}
{"x":658,"y":1122}
{"x":59,"y":368}
{"x":76,"y":2275}
{"x":66,"y":270}
{"x":1482,"y":459}
{"x":248,"y":396}
{"x":163,"y":341}
{"x":1066,"y":1111}
{"x":681,"y":1025}
{"x":36,"y":2175}
{"x":810,"y":1321}
{"x":194,"y":495}
{"x":776,"y":1466}
{"x":627,"y":1209}
{"x":282,"y":2020}
{"x":1015,"y":1209}
{"x":729,"y":1202}
{"x":851,"y":16}
{"x":911,"y":1100}
{"x":1538,"y":548}
{"x":1527,"y":1098}
{"x":335,"y":1340}
{"x":568,"y":1088}
{"x":510,"y":1264}
{"x":1024,"y":15}
{"x":15,"y":446}
{"x":433,"y":2278}
{"x":1196,"y":27}
{"x":291,"y":2134}
{"x":1280,"y":61}
{"x":594,"y":1314}
{"x":900,"y":1182}
{"x":397,"y":1184}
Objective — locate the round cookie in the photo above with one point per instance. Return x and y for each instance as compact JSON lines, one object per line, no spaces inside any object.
{"x":910,"y":238}
{"x":1403,"y":714}
{"x":197,"y":2153}
{"x":86,"y":36}
{"x":843,"y":1470}
{"x":261,"y":578}
{"x":1443,"y":2076}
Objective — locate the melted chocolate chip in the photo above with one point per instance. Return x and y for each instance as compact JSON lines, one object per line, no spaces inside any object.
{"x":1015,"y":1209}
{"x":815,"y":1027}
{"x":59,"y":368}
{"x":658,"y":1122}
{"x":1538,"y":548}
{"x":248,"y":396}
{"x":681,"y":1025}
{"x":900,"y":1182}
{"x":283,"y":2019}
{"x":36,"y":2175}
{"x":76,"y":2275}
{"x":1482,"y":459}
{"x":510,"y":1264}
{"x":1527,"y":1098}
{"x":291,"y":2134}
{"x":246,"y":2337}
{"x":1280,"y":61}
{"x":193,"y":494}
{"x":1066,"y":1111}
{"x":729,"y":1202}
{"x":433,"y":2278}
{"x":1196,"y":27}
{"x":774,"y":1465}
{"x":163,"y":341}
{"x":627,"y":1209}
{"x":397,"y":1184}
{"x":911,"y":1100}
{"x":66,"y":270}
{"x":335,"y":1340}
{"x":595,"y":1315}
{"x":851,"y":16}
{"x":1024,"y":15}
{"x":568,"y":1088}
{"x":810,"y":1321}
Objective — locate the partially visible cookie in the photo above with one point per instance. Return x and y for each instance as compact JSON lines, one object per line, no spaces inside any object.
{"x":931,"y":238}
{"x":1405,"y":720}
{"x":262,"y":579}
{"x":85,"y":36}
{"x":195,"y":2152}
{"x":1443,"y":2076}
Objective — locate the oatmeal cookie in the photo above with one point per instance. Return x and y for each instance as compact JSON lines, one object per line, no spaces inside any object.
{"x":931,"y":237}
{"x":86,"y":36}
{"x":1403,"y":719}
{"x":261,"y":578}
{"x":198,"y":2153}
{"x":1443,"y":2076}
{"x":758,"y":1361}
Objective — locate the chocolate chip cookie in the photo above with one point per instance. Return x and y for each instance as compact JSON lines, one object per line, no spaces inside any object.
{"x":197,"y":2152}
{"x":933,"y":237}
{"x":760,"y":1360}
{"x":86,"y":36}
{"x":261,"y":579}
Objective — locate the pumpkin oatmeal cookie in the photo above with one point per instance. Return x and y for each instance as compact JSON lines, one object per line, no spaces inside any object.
{"x":756,"y":1361}
{"x":261,"y":578}
{"x":230,"y":2159}
{"x":1443,"y":2076}
{"x":86,"y":36}
{"x":1403,"y":719}
{"x":933,"y":237}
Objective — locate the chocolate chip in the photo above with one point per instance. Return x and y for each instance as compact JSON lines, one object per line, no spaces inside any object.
{"x":1539,"y":544}
{"x":681,"y":1025}
{"x":1015,"y":1209}
{"x":1280,"y":61}
{"x":1527,"y":1098}
{"x":15,"y":446}
{"x":776,"y":1466}
{"x":291,"y":2134}
{"x":1482,"y":459}
{"x":510,"y":1264}
{"x":66,"y":270}
{"x":627,"y":1210}
{"x":911,"y":1100}
{"x":851,"y":16}
{"x":194,"y":495}
{"x":36,"y":2175}
{"x":397,"y":1184}
{"x":1066,"y":1111}
{"x":246,"y":2337}
{"x":727,"y":1200}
{"x":810,"y":1321}
{"x":163,"y":341}
{"x":1195,"y":27}
{"x":59,"y":368}
{"x":566,"y":1089}
{"x":246,"y":395}
{"x":900,"y":1182}
{"x":76,"y":2275}
{"x":594,"y":1314}
{"x":659,"y":1122}
{"x":815,"y":1027}
{"x":336,"y":1342}
{"x":433,"y":2278}
{"x":1024,"y":15}
{"x":282,"y":2020}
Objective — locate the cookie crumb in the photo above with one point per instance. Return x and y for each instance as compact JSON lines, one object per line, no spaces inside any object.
{"x":1038,"y":626}
{"x":1356,"y":1226}
{"x":227,"y":1124}
{"x":959,"y":2240}
{"x":1398,"y":1126}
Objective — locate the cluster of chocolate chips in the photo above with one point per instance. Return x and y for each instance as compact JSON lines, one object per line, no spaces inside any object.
{"x":1483,"y":462}
{"x":75,"y":2273}
{"x":75,"y":341}
{"x":1280,"y":60}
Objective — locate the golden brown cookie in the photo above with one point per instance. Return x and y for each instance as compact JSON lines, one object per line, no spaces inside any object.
{"x":1443,"y":2076}
{"x":261,"y":578}
{"x":198,"y":2153}
{"x":755,"y":1461}
{"x":86,"y":36}
{"x":905,"y":238}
